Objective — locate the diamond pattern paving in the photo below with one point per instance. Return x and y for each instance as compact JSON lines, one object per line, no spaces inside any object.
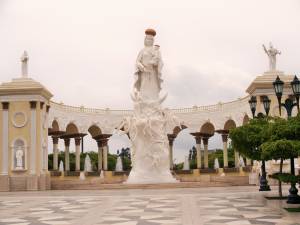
{"x":205,"y":206}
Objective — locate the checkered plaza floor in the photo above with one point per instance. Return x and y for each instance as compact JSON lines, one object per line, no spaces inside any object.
{"x":207,"y":206}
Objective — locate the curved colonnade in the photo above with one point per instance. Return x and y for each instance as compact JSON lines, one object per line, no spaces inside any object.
{"x":67,"y":122}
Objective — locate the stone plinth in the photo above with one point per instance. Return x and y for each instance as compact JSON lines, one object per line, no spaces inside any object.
{"x":42,"y":182}
{"x":32,"y":183}
{"x":4,"y":183}
{"x":17,"y":183}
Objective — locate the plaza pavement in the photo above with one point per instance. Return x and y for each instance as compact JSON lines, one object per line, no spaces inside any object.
{"x":190,"y":206}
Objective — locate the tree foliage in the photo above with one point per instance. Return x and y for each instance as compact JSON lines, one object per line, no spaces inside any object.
{"x":247,"y":139}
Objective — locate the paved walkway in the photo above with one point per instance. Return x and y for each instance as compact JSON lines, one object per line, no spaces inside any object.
{"x":207,"y":206}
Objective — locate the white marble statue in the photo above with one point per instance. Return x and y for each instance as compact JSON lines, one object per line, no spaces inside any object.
{"x":147,"y":127}
{"x":148,"y":70}
{"x":216,"y":164}
{"x":61,"y":166}
{"x":186,"y":163}
{"x":19,"y":158}
{"x":87,"y":164}
{"x":119,"y":165}
{"x":271,"y":53}
{"x":242,"y":162}
{"x":24,"y":60}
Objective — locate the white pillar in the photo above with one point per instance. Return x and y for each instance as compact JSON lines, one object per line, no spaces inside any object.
{"x":198,"y":148}
{"x":205,"y":143}
{"x":45,"y":137}
{"x":55,"y":152}
{"x":4,"y":163}
{"x":33,"y":138}
{"x":67,"y":156}
{"x":100,"y":157}
{"x":77,"y":154}
{"x":105,"y":153}
{"x":225,"y":150}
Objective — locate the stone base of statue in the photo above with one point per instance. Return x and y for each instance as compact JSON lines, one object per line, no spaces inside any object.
{"x":150,"y":146}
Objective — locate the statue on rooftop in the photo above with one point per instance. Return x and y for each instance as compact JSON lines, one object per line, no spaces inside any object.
{"x":24,"y":60}
{"x":271,"y":53}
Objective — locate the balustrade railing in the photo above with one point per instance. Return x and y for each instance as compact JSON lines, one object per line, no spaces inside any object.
{"x":208,"y":108}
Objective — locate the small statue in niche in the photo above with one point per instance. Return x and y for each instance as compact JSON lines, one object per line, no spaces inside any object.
{"x":19,"y":158}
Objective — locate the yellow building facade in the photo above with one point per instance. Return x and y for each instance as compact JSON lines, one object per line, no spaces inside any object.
{"x":24,"y":135}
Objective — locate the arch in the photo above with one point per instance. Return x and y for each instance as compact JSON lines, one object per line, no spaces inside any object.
{"x":71,"y":129}
{"x":207,"y":128}
{"x":229,"y":124}
{"x":55,"y":126}
{"x":246,"y":119}
{"x":94,"y":131}
{"x":177,"y":129}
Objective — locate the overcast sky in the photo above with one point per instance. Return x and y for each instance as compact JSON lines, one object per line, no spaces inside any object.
{"x":84,"y":51}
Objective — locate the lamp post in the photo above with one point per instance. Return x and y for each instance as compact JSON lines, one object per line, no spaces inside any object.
{"x":289,"y":104}
{"x":266,"y":102}
{"x":253,"y":103}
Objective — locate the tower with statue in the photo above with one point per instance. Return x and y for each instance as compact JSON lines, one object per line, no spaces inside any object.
{"x":24,"y":133}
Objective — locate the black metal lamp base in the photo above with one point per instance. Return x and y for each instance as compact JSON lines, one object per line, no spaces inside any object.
{"x":264,"y":184}
{"x":264,"y":188}
{"x":293,"y":197}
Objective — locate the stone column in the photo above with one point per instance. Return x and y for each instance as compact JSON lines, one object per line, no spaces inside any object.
{"x":77,"y":153}
{"x":33,"y":138}
{"x":55,"y":152}
{"x":198,"y":148}
{"x":171,"y":138}
{"x":105,"y":153}
{"x":205,"y":143}
{"x":236,"y":159}
{"x":5,"y":145}
{"x":100,"y":155}
{"x":225,"y":151}
{"x":67,"y":156}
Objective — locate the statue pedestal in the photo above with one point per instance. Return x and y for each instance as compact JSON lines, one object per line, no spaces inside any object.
{"x":32,"y":183}
{"x":274,"y":73}
{"x":4,"y":183}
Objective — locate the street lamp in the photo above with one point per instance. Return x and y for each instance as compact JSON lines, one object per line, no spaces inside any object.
{"x":252,"y":103}
{"x":266,"y":102}
{"x":278,"y":87}
{"x":296,"y":89}
{"x":289,"y":105}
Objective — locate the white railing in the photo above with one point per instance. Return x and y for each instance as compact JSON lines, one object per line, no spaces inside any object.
{"x":208,"y":108}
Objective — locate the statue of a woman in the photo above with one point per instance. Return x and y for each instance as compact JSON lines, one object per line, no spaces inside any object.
{"x":19,"y":158}
{"x":148,"y":69}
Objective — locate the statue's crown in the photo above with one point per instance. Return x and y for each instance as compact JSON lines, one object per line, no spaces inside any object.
{"x":150,"y":31}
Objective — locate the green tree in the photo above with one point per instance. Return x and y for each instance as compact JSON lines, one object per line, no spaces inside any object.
{"x":279,"y":150}
{"x":247,"y":139}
